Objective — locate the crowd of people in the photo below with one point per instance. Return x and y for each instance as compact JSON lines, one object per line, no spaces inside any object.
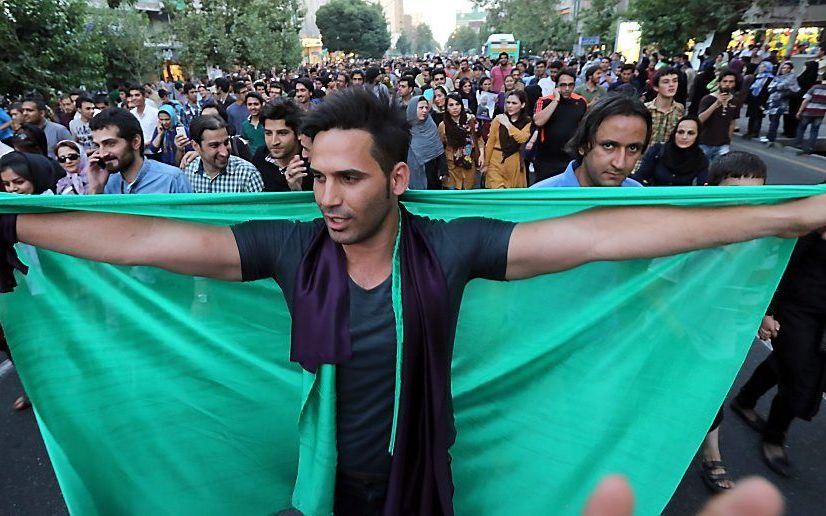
{"x":553,"y":121}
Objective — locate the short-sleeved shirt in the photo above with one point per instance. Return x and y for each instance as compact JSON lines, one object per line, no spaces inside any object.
{"x":83,"y":134}
{"x":149,"y":121}
{"x":154,"y":177}
{"x":254,"y":134}
{"x":556,"y":132}
{"x":239,"y":176}
{"x":466,"y":248}
{"x":597,"y":93}
{"x":715,"y":131}
{"x":663,"y":124}
{"x":817,"y":101}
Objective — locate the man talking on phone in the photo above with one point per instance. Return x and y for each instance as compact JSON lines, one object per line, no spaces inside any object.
{"x":118,"y":166}
{"x":718,"y":114}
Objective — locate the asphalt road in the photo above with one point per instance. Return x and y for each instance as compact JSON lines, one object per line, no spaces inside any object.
{"x":28,"y":485}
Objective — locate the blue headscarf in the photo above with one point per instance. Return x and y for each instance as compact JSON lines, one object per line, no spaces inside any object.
{"x":170,"y":110}
{"x":762,"y":78}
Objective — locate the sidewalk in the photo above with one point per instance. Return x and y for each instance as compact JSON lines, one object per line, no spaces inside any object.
{"x":782,"y":142}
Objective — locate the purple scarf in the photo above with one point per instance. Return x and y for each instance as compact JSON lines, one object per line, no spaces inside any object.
{"x":420,"y":480}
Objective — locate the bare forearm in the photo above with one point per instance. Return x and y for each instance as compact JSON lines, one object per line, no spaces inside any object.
{"x":627,"y":233}
{"x":543,"y":116}
{"x":705,"y":115}
{"x":186,"y":248}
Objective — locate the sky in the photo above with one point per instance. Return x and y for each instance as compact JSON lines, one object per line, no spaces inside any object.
{"x":439,"y":14}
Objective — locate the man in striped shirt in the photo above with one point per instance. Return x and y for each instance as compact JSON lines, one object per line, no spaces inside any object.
{"x":216,"y":170}
{"x":810,"y":115}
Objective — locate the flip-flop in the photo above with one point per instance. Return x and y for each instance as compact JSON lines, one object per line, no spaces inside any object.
{"x":21,"y":403}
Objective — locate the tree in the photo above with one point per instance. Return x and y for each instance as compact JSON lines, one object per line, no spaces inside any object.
{"x":353,"y":26}
{"x":47,"y":47}
{"x":536,"y":24}
{"x":225,"y":33}
{"x":121,"y":37}
{"x":464,"y":39}
{"x":423,"y":41}
{"x":601,"y":20}
{"x":670,"y":29}
{"x":404,"y":45}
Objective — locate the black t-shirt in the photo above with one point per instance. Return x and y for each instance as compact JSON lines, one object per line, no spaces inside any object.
{"x":554,"y":135}
{"x":716,"y":129}
{"x":274,"y":180}
{"x":466,"y":248}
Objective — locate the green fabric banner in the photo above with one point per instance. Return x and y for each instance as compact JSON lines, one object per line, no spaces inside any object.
{"x":163,"y":394}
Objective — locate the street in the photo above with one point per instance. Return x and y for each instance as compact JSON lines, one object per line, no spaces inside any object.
{"x":28,"y":485}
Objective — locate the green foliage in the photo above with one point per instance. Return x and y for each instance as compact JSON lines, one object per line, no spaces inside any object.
{"x":353,"y":26}
{"x":464,"y":39}
{"x":226,"y":33}
{"x":601,"y":20}
{"x":669,"y":28}
{"x":536,"y":23}
{"x":121,"y":36}
{"x":423,"y":41}
{"x":46,"y":47}
{"x":404,"y":45}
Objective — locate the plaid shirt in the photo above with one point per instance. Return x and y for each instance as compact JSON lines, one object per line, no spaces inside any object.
{"x":664,"y":123}
{"x":190,"y":112}
{"x":239,"y":176}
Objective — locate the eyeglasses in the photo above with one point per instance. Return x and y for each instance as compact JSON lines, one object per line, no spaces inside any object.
{"x":68,"y":157}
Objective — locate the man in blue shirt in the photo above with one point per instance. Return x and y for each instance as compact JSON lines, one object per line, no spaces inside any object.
{"x":608,"y":142}
{"x":118,"y":165}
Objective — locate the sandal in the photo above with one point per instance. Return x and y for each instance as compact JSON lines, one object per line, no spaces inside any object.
{"x":22,"y":403}
{"x":716,"y":482}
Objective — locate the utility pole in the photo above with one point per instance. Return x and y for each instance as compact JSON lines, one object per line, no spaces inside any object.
{"x":802,"y":6}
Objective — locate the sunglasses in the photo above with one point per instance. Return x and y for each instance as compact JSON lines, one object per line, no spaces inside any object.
{"x":68,"y":157}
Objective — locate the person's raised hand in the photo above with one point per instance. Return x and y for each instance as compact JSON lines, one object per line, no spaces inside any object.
{"x":750,"y":497}
{"x":96,"y":172}
{"x":181,"y":141}
{"x":295,"y":173}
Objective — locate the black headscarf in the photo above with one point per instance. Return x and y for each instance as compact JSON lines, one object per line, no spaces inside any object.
{"x":41,"y":171}
{"x":472,"y":103}
{"x":508,"y":145}
{"x":684,"y":162}
{"x":457,"y":134}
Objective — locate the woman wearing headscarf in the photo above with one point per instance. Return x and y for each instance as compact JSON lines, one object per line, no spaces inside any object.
{"x":678,"y":161}
{"x":74,"y":162}
{"x":781,"y":89}
{"x":468,"y":94}
{"x":31,"y":174}
{"x":426,"y":155}
{"x":504,"y":167}
{"x":805,"y":80}
{"x":162,"y":145}
{"x":437,"y":108}
{"x":463,"y":146}
{"x":757,"y":97}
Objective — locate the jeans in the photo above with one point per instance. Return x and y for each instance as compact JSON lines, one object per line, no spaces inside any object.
{"x":712,"y":151}
{"x":774,"y":123}
{"x":813,"y":123}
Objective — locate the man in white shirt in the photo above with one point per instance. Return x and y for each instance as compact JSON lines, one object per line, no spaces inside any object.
{"x":146,"y":114}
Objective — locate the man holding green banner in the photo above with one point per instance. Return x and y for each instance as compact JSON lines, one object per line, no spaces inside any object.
{"x":375,"y":291}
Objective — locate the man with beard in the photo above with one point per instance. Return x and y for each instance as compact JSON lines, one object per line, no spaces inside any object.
{"x":215,"y":170}
{"x":607,"y":144}
{"x":557,"y":116}
{"x":279,"y":161}
{"x":718,"y":114}
{"x":118,"y":165}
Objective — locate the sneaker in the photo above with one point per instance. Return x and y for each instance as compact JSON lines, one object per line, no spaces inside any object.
{"x":763,"y":139}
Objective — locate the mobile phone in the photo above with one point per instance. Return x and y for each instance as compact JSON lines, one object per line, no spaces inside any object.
{"x":180,"y":131}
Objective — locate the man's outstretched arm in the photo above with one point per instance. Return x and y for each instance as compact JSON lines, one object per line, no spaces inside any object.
{"x":185,"y":248}
{"x":627,"y":233}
